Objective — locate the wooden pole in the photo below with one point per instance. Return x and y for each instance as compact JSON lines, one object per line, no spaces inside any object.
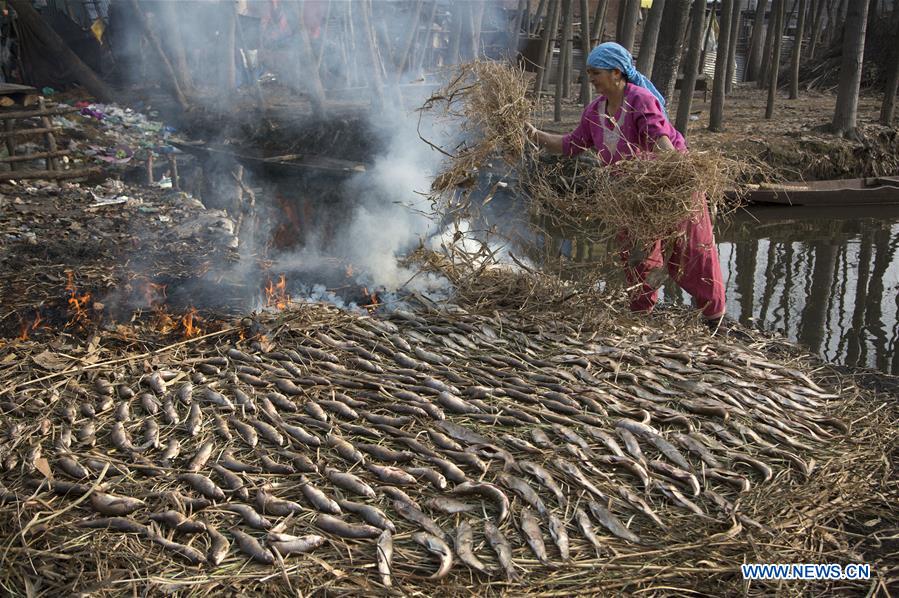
{"x":732,"y":46}
{"x":599,"y":23}
{"x":691,"y":66}
{"x":55,"y":46}
{"x":546,"y":46}
{"x":586,"y":88}
{"x":306,"y":69}
{"x":775,"y":60}
{"x":797,"y":52}
{"x":168,"y":73}
{"x":563,"y":84}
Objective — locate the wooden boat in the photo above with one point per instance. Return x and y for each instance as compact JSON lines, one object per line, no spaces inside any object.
{"x":844,"y":192}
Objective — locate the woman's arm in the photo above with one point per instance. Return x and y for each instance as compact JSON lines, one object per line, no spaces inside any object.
{"x":663,"y":144}
{"x":549,"y":141}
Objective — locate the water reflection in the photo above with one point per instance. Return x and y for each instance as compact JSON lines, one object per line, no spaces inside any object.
{"x":828,"y":279}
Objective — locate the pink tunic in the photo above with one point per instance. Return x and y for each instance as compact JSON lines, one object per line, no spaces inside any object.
{"x":693,"y":262}
{"x":640,"y":122}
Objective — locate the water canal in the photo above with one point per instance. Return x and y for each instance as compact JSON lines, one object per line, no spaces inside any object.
{"x":826,"y":278}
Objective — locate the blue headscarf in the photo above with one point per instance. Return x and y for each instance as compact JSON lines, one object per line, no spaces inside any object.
{"x":613,"y":56}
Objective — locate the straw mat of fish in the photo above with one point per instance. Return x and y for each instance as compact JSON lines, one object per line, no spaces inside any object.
{"x":444,"y":451}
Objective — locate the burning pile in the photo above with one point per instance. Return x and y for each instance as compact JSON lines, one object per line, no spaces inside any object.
{"x":531,"y":455}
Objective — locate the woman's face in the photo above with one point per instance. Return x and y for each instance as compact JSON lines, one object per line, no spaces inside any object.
{"x":604,"y":81}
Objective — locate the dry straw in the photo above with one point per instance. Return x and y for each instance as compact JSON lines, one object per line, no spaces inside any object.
{"x":650,"y":196}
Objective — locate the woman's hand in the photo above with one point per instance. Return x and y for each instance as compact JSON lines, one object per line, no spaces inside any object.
{"x":531,"y":132}
{"x":542,"y":139}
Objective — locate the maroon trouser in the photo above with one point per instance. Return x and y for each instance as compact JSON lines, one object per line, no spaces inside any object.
{"x":693,"y":265}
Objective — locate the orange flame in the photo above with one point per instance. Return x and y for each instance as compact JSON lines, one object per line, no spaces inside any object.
{"x":77,"y":302}
{"x":190,"y":323}
{"x":276,"y":293}
{"x":28,"y":328}
{"x":372,"y":299}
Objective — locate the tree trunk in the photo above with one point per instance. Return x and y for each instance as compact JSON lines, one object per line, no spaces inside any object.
{"x":560,"y":74}
{"x":716,"y":115}
{"x":599,"y":23}
{"x":586,"y":88}
{"x":650,"y":37}
{"x":567,"y":49}
{"x":403,"y":56}
{"x":732,"y":47}
{"x":775,"y":59}
{"x":627,"y":33}
{"x":846,"y":112}
{"x":477,"y":20}
{"x":708,"y":34}
{"x":670,"y":46}
{"x":535,"y":22}
{"x":756,"y":43}
{"x":770,"y":36}
{"x":229,"y":47}
{"x":815,"y":32}
{"x":56,"y":46}
{"x":455,"y":43}
{"x":797,"y":52}
{"x":175,"y":41}
{"x":546,"y":46}
{"x":307,"y":72}
{"x":366,"y":30}
{"x":888,"y":109}
{"x":168,"y":73}
{"x":691,"y":66}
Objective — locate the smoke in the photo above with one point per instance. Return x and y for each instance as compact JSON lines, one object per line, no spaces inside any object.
{"x":362,"y":227}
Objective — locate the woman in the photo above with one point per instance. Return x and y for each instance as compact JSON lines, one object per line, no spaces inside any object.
{"x":626,"y":119}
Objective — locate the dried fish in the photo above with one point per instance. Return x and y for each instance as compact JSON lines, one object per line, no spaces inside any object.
{"x":193,"y":555}
{"x":120,"y":524}
{"x":390,"y":474}
{"x":198,"y":461}
{"x":272,"y":505}
{"x":349,"y":482}
{"x":249,"y":515}
{"x":414,"y":514}
{"x":559,"y":535}
{"x":178,"y":522}
{"x":297,"y":545}
{"x":612,"y":523}
{"x":232,"y":482}
{"x":522,"y":489}
{"x":339,"y":527}
{"x":368,"y":513}
{"x":530,"y":527}
{"x":438,"y":547}
{"x":218,"y":546}
{"x":385,"y":556}
{"x":489,"y":491}
{"x":587,"y":528}
{"x":501,"y":546}
{"x":317,"y":498}
{"x":252,"y":548}
{"x":109,"y":504}
{"x":203,"y":485}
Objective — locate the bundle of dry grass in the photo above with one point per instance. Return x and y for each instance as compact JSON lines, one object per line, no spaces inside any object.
{"x":649,"y":196}
{"x":490,"y":99}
